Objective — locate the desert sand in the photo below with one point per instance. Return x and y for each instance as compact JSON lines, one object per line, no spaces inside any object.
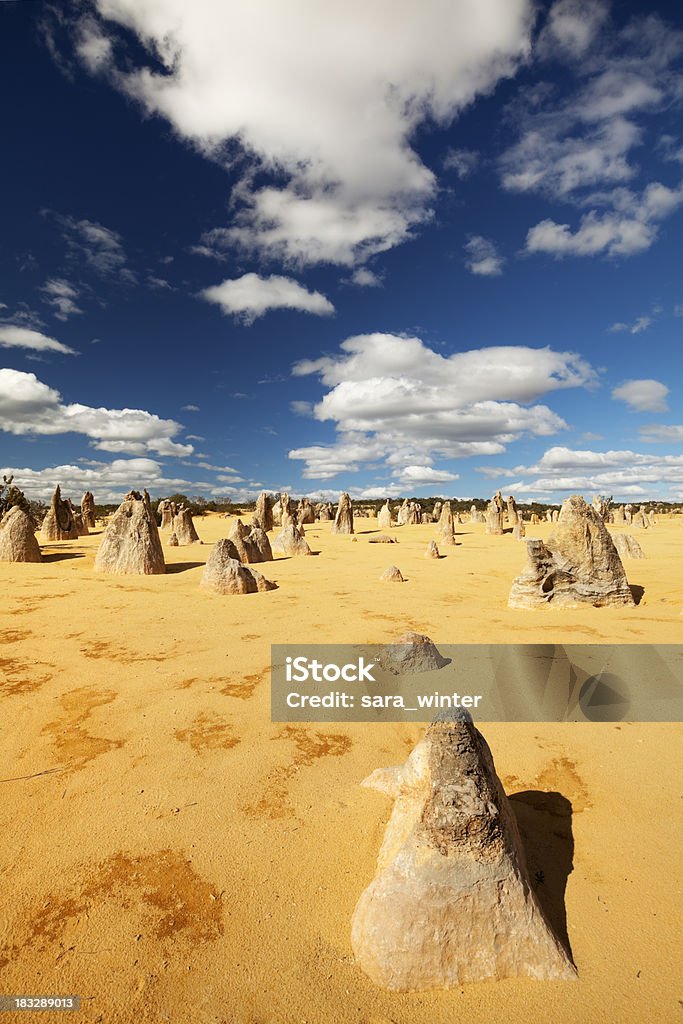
{"x":170,"y":855}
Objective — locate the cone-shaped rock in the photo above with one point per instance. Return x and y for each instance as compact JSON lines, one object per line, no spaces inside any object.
{"x":131,"y":544}
{"x":184,"y":528}
{"x":432,"y":550}
{"x":392,"y":575}
{"x":290,"y":541}
{"x":167,"y":511}
{"x":325,"y":514}
{"x":59,"y":523}
{"x":17,"y":537}
{"x":384,"y":520}
{"x":252,"y":545}
{"x":628,"y":546}
{"x":305,"y":513}
{"x":494,"y":515}
{"x":224,"y":573}
{"x":578,"y":565}
{"x":286,"y":516}
{"x":173,"y":541}
{"x":412,"y":652}
{"x":343,"y":521}
{"x":451,"y":901}
{"x":264,"y":511}
{"x":88,"y":509}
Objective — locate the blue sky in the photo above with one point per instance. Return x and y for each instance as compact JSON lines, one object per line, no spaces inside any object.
{"x":394,"y":249}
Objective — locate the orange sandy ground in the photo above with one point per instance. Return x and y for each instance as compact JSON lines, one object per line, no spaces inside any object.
{"x":170,"y":855}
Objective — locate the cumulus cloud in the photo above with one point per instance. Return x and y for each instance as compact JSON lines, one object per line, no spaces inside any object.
{"x":622,"y":473}
{"x":14,"y":336}
{"x":365,"y":278}
{"x":420,"y":476}
{"x":250,"y":296}
{"x":61,"y":296}
{"x":396,"y":402}
{"x":276,"y":89}
{"x":657,"y":432}
{"x":572,"y":27}
{"x":482,"y":257}
{"x":109,"y":481}
{"x":642,"y":395}
{"x":28,"y":406}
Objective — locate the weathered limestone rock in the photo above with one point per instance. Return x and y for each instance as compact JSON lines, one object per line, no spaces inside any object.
{"x":325,"y":514}
{"x":628,"y":546}
{"x":384,"y":519}
{"x":392,"y":575}
{"x":224,"y":574}
{"x":555,"y":515}
{"x":519,"y":531}
{"x":513,"y":514}
{"x":432,"y":550}
{"x":305,"y":513}
{"x":382,"y":538}
{"x":494,"y":515}
{"x":451,"y":901}
{"x":412,"y":652}
{"x":130,"y":544}
{"x":619,"y":517}
{"x":277,"y":513}
{"x":602,"y":506}
{"x":173,"y":541}
{"x":17,"y":537}
{"x":252,"y":544}
{"x":81,"y":528}
{"x":88,"y":509}
{"x":183,"y":527}
{"x":343,"y":521}
{"x":59,"y":523}
{"x":290,"y":541}
{"x":534,"y":519}
{"x":264,"y":511}
{"x":579,"y":564}
{"x":641,"y":519}
{"x":436,"y":512}
{"x":167,"y":511}
{"x":286,"y":514}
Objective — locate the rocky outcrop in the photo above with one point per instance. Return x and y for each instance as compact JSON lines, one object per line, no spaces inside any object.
{"x":494,"y":515}
{"x":88,"y":509}
{"x":17,"y":537}
{"x":628,"y":546}
{"x":81,"y":527}
{"x":251,"y":543}
{"x":224,"y":573}
{"x":382,"y":538}
{"x":432,"y":550}
{"x":166,"y":510}
{"x":411,"y":652}
{"x":343,"y":521}
{"x":384,"y":519}
{"x":264,"y":511}
{"x":305,"y":513}
{"x":184,"y":528}
{"x":325,"y":514}
{"x":519,"y":531}
{"x":513,"y":513}
{"x":392,"y":575}
{"x":59,"y":523}
{"x":130,"y":544}
{"x":286,"y":513}
{"x":173,"y":541}
{"x":290,"y":541}
{"x":579,"y":564}
{"x":451,"y":901}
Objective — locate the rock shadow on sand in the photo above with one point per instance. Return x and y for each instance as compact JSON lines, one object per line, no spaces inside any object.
{"x":172,"y":567}
{"x":544,"y":820}
{"x":60,"y":556}
{"x":637,"y":592}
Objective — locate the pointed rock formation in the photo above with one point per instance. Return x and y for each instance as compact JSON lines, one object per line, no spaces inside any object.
{"x":17,"y":537}
{"x":412,"y":652}
{"x":277,"y":513}
{"x":290,"y":541}
{"x":59,"y":523}
{"x":451,"y":901}
{"x":513,"y":514}
{"x":130,"y":544}
{"x":628,"y":546}
{"x":81,"y":528}
{"x":224,"y":574}
{"x":384,"y":519}
{"x":305,"y":513}
{"x":173,"y":541}
{"x":432,"y":550}
{"x":494,"y":515}
{"x":436,"y":512}
{"x":392,"y":575}
{"x":286,"y":514}
{"x":184,"y":528}
{"x":325,"y":514}
{"x":252,"y":544}
{"x":519,"y":531}
{"x":264,"y":511}
{"x":167,"y":512}
{"x":88,"y":509}
{"x":343,"y":521}
{"x":578,"y":565}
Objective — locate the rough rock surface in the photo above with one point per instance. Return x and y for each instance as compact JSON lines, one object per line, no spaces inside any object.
{"x":412,"y":652}
{"x":382,"y":538}
{"x":432,"y":550}
{"x":494,"y":514}
{"x":167,"y":511}
{"x":17,"y":537}
{"x":325,"y":514}
{"x":184,"y":528}
{"x":343,"y":521}
{"x":513,"y":513}
{"x":88,"y":509}
{"x":392,"y":575}
{"x":305,"y":513}
{"x":628,"y":546}
{"x":80,"y":524}
{"x":384,"y":519}
{"x":251,"y":543}
{"x":224,"y":573}
{"x":451,"y":901}
{"x":578,"y":565}
{"x":173,"y":541}
{"x":130,"y":544}
{"x":519,"y":531}
{"x":264,"y":511}
{"x":290,"y":541}
{"x":286,"y":514}
{"x":59,"y":523}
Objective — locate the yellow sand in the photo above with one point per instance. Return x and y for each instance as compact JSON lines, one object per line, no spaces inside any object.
{"x":169,"y":854}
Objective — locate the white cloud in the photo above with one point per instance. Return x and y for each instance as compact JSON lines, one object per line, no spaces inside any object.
{"x":250,"y":296}
{"x":639,"y":325}
{"x":61,"y":296}
{"x":420,"y":476}
{"x":326,"y":100}
{"x":395,"y":401}
{"x":656,"y":432}
{"x":483,"y":258}
{"x":642,"y":395}
{"x":12,"y":336}
{"x":190,"y":408}
{"x":95,"y":247}
{"x":364,"y":278}
{"x":573,"y":26}
{"x":109,"y":481}
{"x":28,"y":406}
{"x":462,"y":161}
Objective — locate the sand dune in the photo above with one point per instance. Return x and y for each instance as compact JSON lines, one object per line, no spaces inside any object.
{"x":169,"y":854}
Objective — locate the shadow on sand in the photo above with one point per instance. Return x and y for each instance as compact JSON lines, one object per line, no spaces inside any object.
{"x":637,"y":592}
{"x":172,"y":567}
{"x":59,"y":556}
{"x":545,"y":825}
